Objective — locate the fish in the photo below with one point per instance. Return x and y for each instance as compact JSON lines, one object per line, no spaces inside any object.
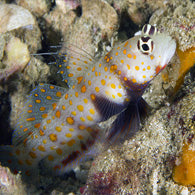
{"x":58,"y":126}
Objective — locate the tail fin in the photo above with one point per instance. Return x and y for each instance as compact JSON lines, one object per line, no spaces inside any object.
{"x":8,"y":159}
{"x":128,"y":122}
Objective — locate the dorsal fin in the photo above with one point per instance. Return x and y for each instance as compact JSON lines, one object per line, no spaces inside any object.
{"x":41,"y":100}
{"x":73,"y":63}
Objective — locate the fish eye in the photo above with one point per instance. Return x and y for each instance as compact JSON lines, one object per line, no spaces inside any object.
{"x":145,"y":47}
{"x":145,"y":44}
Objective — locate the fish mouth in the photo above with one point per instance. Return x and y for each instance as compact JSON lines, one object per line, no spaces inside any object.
{"x":169,"y":50}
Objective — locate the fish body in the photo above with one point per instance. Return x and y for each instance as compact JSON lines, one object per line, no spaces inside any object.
{"x":59,"y":125}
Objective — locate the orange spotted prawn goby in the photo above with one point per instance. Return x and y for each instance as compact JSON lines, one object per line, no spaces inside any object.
{"x":58,"y":125}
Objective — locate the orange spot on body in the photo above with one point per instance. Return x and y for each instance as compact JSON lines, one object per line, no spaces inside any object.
{"x":71,"y":129}
{"x":58,"y":114}
{"x":50,"y":158}
{"x":30,"y":119}
{"x":41,"y":148}
{"x":158,"y":68}
{"x":119,"y":94}
{"x":44,"y":115}
{"x":126,"y":44}
{"x":103,"y":82}
{"x":20,"y":162}
{"x":85,"y":101}
{"x":70,"y":120}
{"x":25,"y":129}
{"x":113,"y":86}
{"x":89,"y":118}
{"x":73,"y":113}
{"x":80,"y":108}
{"x":48,"y":97}
{"x":53,"y":137}
{"x":70,"y":75}
{"x":58,"y":128}
{"x":58,"y":94}
{"x":54,"y":105}
{"x":97,"y":89}
{"x":81,"y":127}
{"x":68,"y":135}
{"x":44,"y":141}
{"x":129,"y":55}
{"x":28,"y":162}
{"x":92,"y":97}
{"x":82,"y":119}
{"x":66,"y":96}
{"x":92,"y":111}
{"x":83,"y":89}
{"x":89,"y":82}
{"x":41,"y":132}
{"x":56,"y":167}
{"x":93,"y":69}
{"x":33,"y":155}
{"x":48,"y":121}
{"x":42,"y":108}
{"x":43,"y":90}
{"x":71,"y":142}
{"x":59,"y":151}
{"x":80,"y":137}
{"x":17,"y":152}
{"x":76,"y":94}
{"x":79,"y":79}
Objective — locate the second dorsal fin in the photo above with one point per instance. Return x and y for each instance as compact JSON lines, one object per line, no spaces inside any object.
{"x":41,"y":100}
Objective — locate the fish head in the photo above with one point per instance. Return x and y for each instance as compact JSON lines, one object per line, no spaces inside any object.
{"x":146,"y":55}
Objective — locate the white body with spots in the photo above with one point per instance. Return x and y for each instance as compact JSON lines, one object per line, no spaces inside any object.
{"x":58,"y":125}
